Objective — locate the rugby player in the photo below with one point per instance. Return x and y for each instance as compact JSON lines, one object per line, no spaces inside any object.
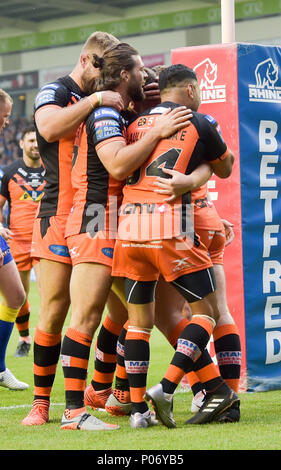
{"x":11,"y":288}
{"x":92,"y":224}
{"x":60,"y":108}
{"x":22,"y":185}
{"x":146,"y":254}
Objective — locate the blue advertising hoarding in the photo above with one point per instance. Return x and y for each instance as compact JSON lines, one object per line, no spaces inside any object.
{"x":259,"y":107}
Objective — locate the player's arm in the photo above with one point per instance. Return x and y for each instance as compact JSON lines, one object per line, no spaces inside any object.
{"x":54,"y":122}
{"x":229,"y":233}
{"x":217,"y":152}
{"x":223,"y":166}
{"x":180,"y":183}
{"x":121,"y":160}
{"x":4,"y":232}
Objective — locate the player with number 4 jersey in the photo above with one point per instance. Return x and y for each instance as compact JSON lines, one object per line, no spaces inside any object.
{"x":145,"y":216}
{"x":158,"y":238}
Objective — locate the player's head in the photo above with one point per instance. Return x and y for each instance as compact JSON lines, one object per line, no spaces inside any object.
{"x":28,"y":144}
{"x":6,"y":103}
{"x":180,"y":84}
{"x":96,"y":43}
{"x":158,"y":68}
{"x":122,"y":68}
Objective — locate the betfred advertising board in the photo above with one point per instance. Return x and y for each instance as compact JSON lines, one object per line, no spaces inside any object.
{"x":241,"y":88}
{"x":259,"y":95}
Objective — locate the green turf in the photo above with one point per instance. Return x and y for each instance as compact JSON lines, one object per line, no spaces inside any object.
{"x":258,"y":429}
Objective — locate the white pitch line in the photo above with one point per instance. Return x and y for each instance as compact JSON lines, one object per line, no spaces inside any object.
{"x":13,"y":407}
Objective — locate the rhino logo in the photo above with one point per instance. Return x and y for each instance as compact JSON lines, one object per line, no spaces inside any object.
{"x":266,"y":74}
{"x":206,"y":73}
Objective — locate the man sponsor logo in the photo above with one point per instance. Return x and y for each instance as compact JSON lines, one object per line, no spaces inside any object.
{"x":188,"y":348}
{"x":266,"y":90}
{"x":229,"y":357}
{"x":59,"y":250}
{"x":99,"y":355}
{"x":120,"y":349}
{"x":136,"y":367}
{"x":207,"y":72}
{"x":65,"y":360}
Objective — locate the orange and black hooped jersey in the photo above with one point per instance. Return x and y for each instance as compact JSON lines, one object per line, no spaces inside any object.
{"x":23,"y":187}
{"x":97,"y":195}
{"x":57,"y":156}
{"x":184,"y":151}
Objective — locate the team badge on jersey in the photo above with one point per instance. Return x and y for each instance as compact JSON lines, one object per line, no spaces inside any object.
{"x":35,"y":196}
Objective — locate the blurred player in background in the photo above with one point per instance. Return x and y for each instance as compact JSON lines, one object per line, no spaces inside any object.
{"x":60,"y":108}
{"x":22,"y":186}
{"x":11,"y":288}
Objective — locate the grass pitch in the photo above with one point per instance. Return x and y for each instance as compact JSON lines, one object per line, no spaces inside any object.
{"x":258,"y":429}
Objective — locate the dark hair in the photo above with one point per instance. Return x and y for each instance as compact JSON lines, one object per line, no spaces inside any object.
{"x":151,"y":76}
{"x":27,"y":130}
{"x":175,"y":74}
{"x":98,"y":62}
{"x":115,"y":59}
{"x":158,"y":68}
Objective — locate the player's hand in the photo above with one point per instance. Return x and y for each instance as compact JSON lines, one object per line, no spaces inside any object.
{"x":152,"y":94}
{"x":171,"y":121}
{"x":1,"y":258}
{"x":229,"y":233}
{"x":112,"y":99}
{"x":6,"y":233}
{"x":175,"y":186}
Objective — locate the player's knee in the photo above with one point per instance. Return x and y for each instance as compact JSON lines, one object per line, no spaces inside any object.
{"x":17,"y":299}
{"x":87,"y":322}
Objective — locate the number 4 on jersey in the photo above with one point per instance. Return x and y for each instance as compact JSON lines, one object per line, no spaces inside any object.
{"x":165,"y":160}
